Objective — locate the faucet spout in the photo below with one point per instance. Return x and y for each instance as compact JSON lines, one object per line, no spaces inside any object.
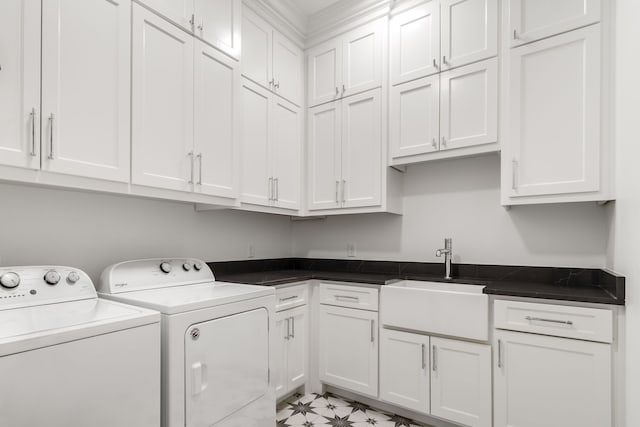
{"x":447,"y":252}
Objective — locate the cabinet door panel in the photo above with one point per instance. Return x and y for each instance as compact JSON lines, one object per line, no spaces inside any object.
{"x":362,"y":150}
{"x":415,"y":43}
{"x":256,"y":48}
{"x":279,"y":376}
{"x":325,"y":72}
{"x":85,"y":88}
{"x":287,"y":69}
{"x":256,"y":125}
{"x":362,"y":59}
{"x":286,"y":152}
{"x":469,"y":31}
{"x":549,"y":381}
{"x":469,"y":105}
{"x":297,"y":351}
{"x":554,"y":115}
{"x":162,"y":102}
{"x":349,"y":349}
{"x":324,"y":156}
{"x":414,"y":117}
{"x":20,"y":83}
{"x":404,"y":369}
{"x":178,"y":11}
{"x":461,"y":382}
{"x":218,"y":22}
{"x":216,"y":123}
{"x":532,"y":20}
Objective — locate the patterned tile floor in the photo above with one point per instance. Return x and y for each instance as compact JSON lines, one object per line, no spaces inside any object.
{"x":328,"y":410}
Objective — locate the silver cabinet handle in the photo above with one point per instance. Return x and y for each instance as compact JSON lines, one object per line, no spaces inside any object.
{"x":444,"y":60}
{"x":424,"y":356}
{"x":52,"y":117}
{"x":373,"y":337}
{"x":444,"y":141}
{"x":277,"y":85}
{"x":434,"y":143}
{"x":288,"y":298}
{"x":192,"y":21}
{"x":201,"y":26}
{"x":515,"y":35}
{"x":499,"y":353}
{"x":33,"y":132}
{"x":199,"y":168}
{"x":349,"y":297}
{"x":337,"y":189}
{"x":344,"y":88}
{"x":540,"y":319}
{"x":514,"y":174}
{"x":434,"y":364}
{"x":270,"y":188}
{"x":344,"y":190}
{"x":435,"y":63}
{"x":271,"y":82}
{"x":286,"y":337}
{"x":277,"y":189}
{"x":293,"y":327}
{"x":337,"y":91}
{"x":191,"y":157}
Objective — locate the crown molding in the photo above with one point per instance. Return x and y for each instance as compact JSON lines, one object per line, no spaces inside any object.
{"x":284,"y":15}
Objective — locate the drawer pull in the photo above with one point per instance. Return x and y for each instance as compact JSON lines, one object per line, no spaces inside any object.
{"x":349,"y":297}
{"x":288,"y":298}
{"x":540,"y":319}
{"x":499,"y":353}
{"x":373,"y":331}
{"x":424,"y":356}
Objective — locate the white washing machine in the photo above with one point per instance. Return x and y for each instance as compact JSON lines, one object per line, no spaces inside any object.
{"x":216,"y":345}
{"x":69,"y":359}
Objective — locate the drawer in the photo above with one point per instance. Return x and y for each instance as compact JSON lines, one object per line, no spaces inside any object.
{"x":361,"y":297}
{"x":591,"y":324}
{"x":291,"y":296}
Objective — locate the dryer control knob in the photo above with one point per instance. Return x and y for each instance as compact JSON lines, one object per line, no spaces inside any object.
{"x":165,"y":267}
{"x":197,"y":266}
{"x":52,"y":277}
{"x":186,"y":266}
{"x":10,"y":280}
{"x":73,"y":277}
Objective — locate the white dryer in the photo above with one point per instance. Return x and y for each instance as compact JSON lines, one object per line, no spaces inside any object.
{"x":69,"y":359}
{"x":216,"y":345}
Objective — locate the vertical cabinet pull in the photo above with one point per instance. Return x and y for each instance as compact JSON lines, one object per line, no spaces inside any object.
{"x":192,"y":160}
{"x":515,"y":34}
{"x":344,"y":190}
{"x":199,"y":168}
{"x":33,"y":132}
{"x":293,"y":327}
{"x":201,"y":26}
{"x":514,"y":174}
{"x":435,"y":63}
{"x":337,"y":187}
{"x":373,"y":337}
{"x":337,"y":91}
{"x":434,"y":365}
{"x":424,"y":356}
{"x":444,"y":60}
{"x":344,"y":88}
{"x":192,"y":22}
{"x":444,"y":141}
{"x":499,"y":353}
{"x":52,"y":117}
{"x":286,"y":337}
{"x":276,"y":192}
{"x":434,"y":143}
{"x":270,"y":188}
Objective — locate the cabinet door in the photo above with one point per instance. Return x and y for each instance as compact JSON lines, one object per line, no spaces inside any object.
{"x":325,"y":72}
{"x":548,"y":381}
{"x":287,"y":69}
{"x":20,"y":83}
{"x":404,"y":369}
{"x":216,"y":121}
{"x":178,"y":11}
{"x":469,"y":105}
{"x":256,"y":183}
{"x":349,"y":349}
{"x":217,"y":22}
{"x":362,"y":58}
{"x":415,"y":43}
{"x":162,"y":102}
{"x":461,"y":382}
{"x":324,"y":156}
{"x":286,"y":153}
{"x":256,"y":48}
{"x":279,"y":376}
{"x":414,"y":117}
{"x":362,"y":150}
{"x":297,"y":351}
{"x":469,"y":31}
{"x":532,"y":20}
{"x":554,"y":115}
{"x":86,"y":72}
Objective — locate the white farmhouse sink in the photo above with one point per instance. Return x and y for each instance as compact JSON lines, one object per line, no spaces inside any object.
{"x":450,"y":309}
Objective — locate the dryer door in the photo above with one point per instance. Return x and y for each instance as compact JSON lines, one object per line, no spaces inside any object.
{"x":227,"y":366}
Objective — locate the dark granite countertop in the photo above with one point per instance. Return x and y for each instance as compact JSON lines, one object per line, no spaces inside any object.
{"x":569,"y":284}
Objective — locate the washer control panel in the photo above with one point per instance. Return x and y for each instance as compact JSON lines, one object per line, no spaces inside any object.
{"x":38,"y":285}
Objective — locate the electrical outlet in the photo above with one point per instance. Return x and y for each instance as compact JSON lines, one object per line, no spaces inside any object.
{"x":251,"y":252}
{"x":351,"y":250}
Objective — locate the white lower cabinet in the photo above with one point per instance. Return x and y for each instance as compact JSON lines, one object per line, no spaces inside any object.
{"x":349,"y":349}
{"x":550,"y":381}
{"x":291,"y":351}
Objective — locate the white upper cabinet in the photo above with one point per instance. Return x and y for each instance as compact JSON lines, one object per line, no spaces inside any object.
{"x":216,"y":124}
{"x":531,"y":20}
{"x":286,"y":154}
{"x":469,"y":31}
{"x":324,"y":156}
{"x":414,"y":39}
{"x":469,"y":105}
{"x":325,"y":72}
{"x":85,"y":88}
{"x":162,"y":102}
{"x":178,"y":11}
{"x":270,"y":59}
{"x":20,"y":83}
{"x":554,"y":116}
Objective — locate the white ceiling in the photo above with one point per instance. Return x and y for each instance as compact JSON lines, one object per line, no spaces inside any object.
{"x":309,"y":7}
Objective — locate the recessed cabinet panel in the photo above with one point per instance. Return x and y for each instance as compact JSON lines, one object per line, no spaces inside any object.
{"x":469,"y":31}
{"x":178,"y":11}
{"x":256,"y":48}
{"x":362,"y":150}
{"x":286,"y":154}
{"x":325,"y":72}
{"x":218,"y":23}
{"x":324,"y":162}
{"x":469,"y":109}
{"x":216,"y":122}
{"x":279,"y":376}
{"x":85,"y":88}
{"x":532,"y":20}
{"x":362,"y":59}
{"x":554,"y":115}
{"x":20,"y":83}
{"x":162,"y":100}
{"x":414,"y":117}
{"x":297,"y":354}
{"x":287,"y":68}
{"x":415,"y":43}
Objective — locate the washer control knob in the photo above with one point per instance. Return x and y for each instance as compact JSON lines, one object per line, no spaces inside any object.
{"x":73,"y":277}
{"x":197,"y":266}
{"x":186,"y":266}
{"x":10,"y":280}
{"x":52,"y":277}
{"x":165,"y":267}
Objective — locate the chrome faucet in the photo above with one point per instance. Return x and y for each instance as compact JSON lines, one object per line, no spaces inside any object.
{"x":447,"y":257}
